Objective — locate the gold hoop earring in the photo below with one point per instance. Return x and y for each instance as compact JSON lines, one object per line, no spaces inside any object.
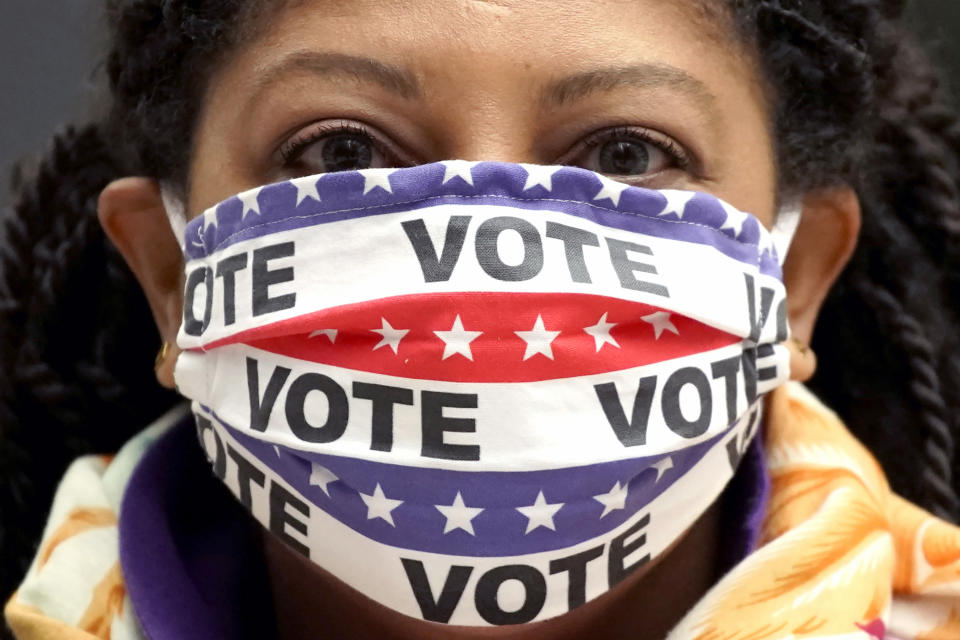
{"x":803,"y":361}
{"x":802,"y":347}
{"x":161,"y":355}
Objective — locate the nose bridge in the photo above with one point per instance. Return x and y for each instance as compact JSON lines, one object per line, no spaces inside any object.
{"x":493,"y":149}
{"x":488,"y":115}
{"x":496,"y":132}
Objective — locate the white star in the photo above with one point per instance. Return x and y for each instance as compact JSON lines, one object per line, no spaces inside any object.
{"x":661,"y":322}
{"x":210,"y":218}
{"x":458,"y":515}
{"x":538,"y":340}
{"x":614,"y":499}
{"x":330,"y":333}
{"x":601,"y":333}
{"x":380,"y":506}
{"x":540,"y":514}
{"x":611,"y":190}
{"x":676,"y":202}
{"x":373,"y":178}
{"x":250,"y":202}
{"x":306,"y":188}
{"x":538,"y":175}
{"x":457,"y":340}
{"x":662,"y":467}
{"x":458,"y":169}
{"x":735,"y":219}
{"x":276,"y":450}
{"x":202,"y":241}
{"x":320,"y":476}
{"x":391,"y":336}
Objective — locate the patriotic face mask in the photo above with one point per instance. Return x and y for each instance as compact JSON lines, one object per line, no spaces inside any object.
{"x":478,"y":393}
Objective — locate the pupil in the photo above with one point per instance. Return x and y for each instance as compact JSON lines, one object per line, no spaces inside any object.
{"x":622,"y":157}
{"x":347,"y":152}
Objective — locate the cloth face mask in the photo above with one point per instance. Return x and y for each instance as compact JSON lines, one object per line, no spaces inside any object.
{"x":478,"y":393}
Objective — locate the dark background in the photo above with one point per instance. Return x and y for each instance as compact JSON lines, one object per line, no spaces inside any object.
{"x":51,"y":50}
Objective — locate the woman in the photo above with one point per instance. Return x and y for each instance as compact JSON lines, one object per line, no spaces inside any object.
{"x":772,"y":107}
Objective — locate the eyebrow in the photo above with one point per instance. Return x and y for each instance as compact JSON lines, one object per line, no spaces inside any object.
{"x":392,"y":78}
{"x":580,"y":85}
{"x":404,"y":83}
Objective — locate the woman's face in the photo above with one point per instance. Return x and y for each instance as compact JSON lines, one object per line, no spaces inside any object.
{"x":658,"y":93}
{"x":655,"y":92}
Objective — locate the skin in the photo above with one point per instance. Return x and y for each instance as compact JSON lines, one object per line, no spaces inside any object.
{"x":473,"y":80}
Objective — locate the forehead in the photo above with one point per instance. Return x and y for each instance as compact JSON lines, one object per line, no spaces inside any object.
{"x":490,"y":67}
{"x":453,"y":40}
{"x":556,"y":29}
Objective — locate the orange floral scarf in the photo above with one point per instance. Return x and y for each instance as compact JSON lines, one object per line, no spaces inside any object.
{"x":841,"y":556}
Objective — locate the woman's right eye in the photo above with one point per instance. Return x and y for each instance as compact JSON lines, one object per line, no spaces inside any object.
{"x":326,"y":148}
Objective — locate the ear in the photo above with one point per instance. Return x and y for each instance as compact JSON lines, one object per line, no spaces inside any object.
{"x":821,"y":248}
{"x":132,"y":214}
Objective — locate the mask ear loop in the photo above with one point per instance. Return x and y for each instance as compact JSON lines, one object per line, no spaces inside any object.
{"x":177,"y":217}
{"x":176,"y":214}
{"x":785,"y":228}
{"x":782,"y":233}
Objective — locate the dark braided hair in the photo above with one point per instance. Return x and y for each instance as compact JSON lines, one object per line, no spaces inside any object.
{"x":858,"y":103}
{"x":855,"y":103}
{"x":77,"y":337}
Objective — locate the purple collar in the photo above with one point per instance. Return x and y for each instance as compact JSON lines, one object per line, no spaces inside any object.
{"x":194,"y":567}
{"x":189,"y":552}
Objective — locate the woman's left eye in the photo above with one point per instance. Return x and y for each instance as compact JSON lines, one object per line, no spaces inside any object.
{"x":627,"y":152}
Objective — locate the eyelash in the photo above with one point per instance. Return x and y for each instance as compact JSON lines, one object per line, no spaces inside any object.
{"x":672,"y":150}
{"x":292,"y":150}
